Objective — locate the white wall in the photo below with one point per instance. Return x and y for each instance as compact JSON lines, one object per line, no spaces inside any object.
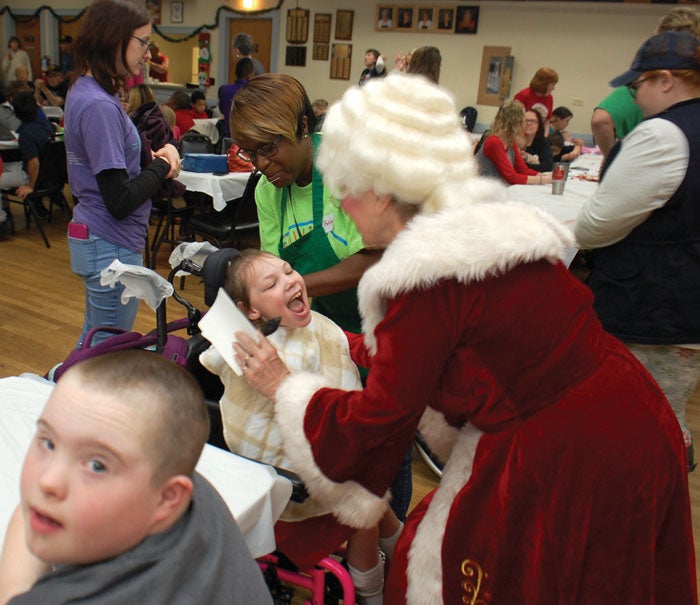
{"x":588,"y":43}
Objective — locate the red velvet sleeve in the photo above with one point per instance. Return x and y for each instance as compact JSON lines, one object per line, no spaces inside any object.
{"x":494,"y":151}
{"x":358,"y":352}
{"x":364,"y":435}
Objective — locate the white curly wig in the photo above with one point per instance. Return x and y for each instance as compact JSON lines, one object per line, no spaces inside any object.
{"x":400,"y":135}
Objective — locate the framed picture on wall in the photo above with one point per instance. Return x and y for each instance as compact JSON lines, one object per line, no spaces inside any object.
{"x":496,"y":75}
{"x":445,"y":20}
{"x":343,"y":24}
{"x":320,"y":52}
{"x":404,"y":18}
{"x":425,"y":14}
{"x":341,"y":55}
{"x":322,"y":28}
{"x":385,"y":17}
{"x":153,"y":7}
{"x":297,"y":26}
{"x":295,"y":56}
{"x":176,"y":12}
{"x":467,"y":19}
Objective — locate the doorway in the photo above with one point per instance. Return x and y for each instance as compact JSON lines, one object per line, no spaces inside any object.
{"x":29,"y":33}
{"x":261,"y":32}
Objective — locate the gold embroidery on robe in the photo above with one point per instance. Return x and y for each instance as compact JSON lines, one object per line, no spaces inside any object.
{"x":472,"y":584}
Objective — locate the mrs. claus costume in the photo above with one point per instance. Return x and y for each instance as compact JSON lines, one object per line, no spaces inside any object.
{"x":565,"y":479}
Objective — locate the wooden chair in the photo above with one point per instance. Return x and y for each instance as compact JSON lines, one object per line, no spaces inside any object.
{"x":226,"y":228}
{"x":53,"y":176}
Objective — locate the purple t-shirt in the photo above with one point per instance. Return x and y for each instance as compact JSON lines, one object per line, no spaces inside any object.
{"x":99,"y":135}
{"x":226,"y":95}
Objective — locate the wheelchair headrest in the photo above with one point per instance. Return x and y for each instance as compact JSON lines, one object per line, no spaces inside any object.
{"x":214,"y":272}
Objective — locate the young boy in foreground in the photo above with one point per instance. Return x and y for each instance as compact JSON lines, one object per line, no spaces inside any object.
{"x":112,"y":511}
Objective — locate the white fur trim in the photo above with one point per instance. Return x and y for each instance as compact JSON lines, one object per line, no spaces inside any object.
{"x":438,"y":434}
{"x":468,"y":242}
{"x":350,"y":502}
{"x":424,"y":570}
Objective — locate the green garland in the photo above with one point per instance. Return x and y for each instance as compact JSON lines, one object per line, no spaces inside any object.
{"x":73,"y":18}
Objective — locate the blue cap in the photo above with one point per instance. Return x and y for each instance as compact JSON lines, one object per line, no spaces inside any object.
{"x":669,"y":50}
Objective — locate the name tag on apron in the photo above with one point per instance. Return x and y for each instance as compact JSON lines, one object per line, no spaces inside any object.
{"x":328,"y":222}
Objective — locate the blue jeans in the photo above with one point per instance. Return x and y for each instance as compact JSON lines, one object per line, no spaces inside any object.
{"x":103,"y":306}
{"x":402,"y":487}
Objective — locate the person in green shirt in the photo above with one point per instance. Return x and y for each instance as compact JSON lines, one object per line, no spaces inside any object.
{"x":272,"y":122}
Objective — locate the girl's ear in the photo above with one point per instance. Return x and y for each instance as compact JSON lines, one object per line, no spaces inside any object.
{"x":251,"y":313}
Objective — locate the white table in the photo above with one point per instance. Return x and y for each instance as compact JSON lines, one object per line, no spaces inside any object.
{"x":254,"y":493}
{"x":221,"y":188}
{"x":563,"y":207}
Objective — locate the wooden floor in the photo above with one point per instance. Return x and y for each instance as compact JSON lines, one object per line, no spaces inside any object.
{"x":42,"y":306}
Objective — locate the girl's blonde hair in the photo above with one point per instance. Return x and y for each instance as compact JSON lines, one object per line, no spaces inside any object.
{"x":509,"y":121}
{"x":139,"y":95}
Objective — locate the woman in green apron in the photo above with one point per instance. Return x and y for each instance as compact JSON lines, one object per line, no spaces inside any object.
{"x":273,"y":124}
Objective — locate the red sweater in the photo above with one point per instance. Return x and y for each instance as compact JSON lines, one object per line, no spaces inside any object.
{"x":513,"y":174}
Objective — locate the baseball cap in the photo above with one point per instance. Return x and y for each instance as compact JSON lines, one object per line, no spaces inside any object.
{"x":668,"y":50}
{"x":66,"y":39}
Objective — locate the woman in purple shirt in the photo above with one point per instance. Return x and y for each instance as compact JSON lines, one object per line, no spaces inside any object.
{"x":103,"y":151}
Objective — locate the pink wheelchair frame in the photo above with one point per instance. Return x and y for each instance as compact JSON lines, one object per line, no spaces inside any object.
{"x":313,"y":579}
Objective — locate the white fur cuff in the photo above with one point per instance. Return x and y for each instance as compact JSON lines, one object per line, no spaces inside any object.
{"x":350,"y":502}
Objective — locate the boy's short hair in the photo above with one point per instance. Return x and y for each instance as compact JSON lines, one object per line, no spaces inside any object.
{"x":556,"y":139}
{"x":142,"y":378}
{"x":25,"y":106}
{"x":374,"y":51}
{"x":562,"y":113}
{"x":320,"y":104}
{"x":197,"y":95}
{"x":244,"y":67}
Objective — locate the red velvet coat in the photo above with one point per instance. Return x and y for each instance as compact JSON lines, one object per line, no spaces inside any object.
{"x":565,"y":480}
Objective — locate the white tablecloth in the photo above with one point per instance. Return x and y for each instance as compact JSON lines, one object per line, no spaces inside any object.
{"x":254,"y":493}
{"x":221,"y":188}
{"x":563,"y":207}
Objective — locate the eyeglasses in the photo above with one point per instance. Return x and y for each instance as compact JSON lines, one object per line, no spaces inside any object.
{"x":146,"y":44}
{"x":633,"y":87}
{"x":265,"y":151}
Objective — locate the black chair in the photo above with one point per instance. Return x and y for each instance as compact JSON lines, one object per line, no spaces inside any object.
{"x":468,"y":117}
{"x":53,"y":176}
{"x":225,"y":229}
{"x":224,"y":144}
{"x":170,"y":214}
{"x":195,"y":142}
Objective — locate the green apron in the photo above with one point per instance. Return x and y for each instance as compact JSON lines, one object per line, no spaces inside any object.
{"x":313,"y":252}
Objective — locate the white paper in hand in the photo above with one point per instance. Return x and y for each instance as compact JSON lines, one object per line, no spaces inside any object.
{"x":220,"y":324}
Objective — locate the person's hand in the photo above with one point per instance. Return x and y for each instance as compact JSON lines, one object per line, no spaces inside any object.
{"x":546,"y":177}
{"x":39,"y":83}
{"x":572,"y":155}
{"x":261,"y":365}
{"x":170,"y":154}
{"x":23,"y":191}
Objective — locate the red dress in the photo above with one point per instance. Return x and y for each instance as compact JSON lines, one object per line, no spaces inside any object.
{"x":550,"y":494}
